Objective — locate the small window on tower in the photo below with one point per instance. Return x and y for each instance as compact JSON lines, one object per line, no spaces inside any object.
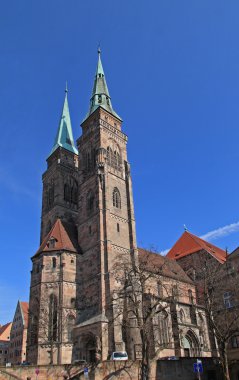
{"x":51,"y":243}
{"x":99,"y":98}
{"x":90,"y":202}
{"x":90,"y":230}
{"x":54,"y":262}
{"x":118,"y":227}
{"x":116,"y":198}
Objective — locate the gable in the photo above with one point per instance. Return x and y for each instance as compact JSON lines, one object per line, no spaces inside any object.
{"x":189,"y":243}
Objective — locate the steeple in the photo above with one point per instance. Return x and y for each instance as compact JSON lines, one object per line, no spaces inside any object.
{"x":64,"y":137}
{"x":100,"y":94}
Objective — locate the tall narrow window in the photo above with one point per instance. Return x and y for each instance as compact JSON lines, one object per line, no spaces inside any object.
{"x":53,"y":262}
{"x":160,"y":289}
{"x":90,"y":202}
{"x":163,"y":331}
{"x":181,"y":315}
{"x":175,"y":292}
{"x":116,"y":198}
{"x":114,"y":156}
{"x":190,"y":295}
{"x":70,"y":325}
{"x":50,"y":195}
{"x":67,"y":192}
{"x":52,"y":327}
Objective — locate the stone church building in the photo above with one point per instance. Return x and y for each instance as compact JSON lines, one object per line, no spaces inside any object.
{"x":87,"y":223}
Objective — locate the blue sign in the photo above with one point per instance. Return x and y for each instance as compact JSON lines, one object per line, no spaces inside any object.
{"x":197,"y":367}
{"x":86,"y":370}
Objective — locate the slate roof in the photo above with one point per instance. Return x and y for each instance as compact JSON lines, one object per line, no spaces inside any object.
{"x":64,"y":137}
{"x":189,"y":243}
{"x":100,"y":94}
{"x":64,"y":236}
{"x":159,"y":264}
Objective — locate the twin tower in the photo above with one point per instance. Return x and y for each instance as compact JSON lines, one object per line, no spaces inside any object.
{"x":87,"y":223}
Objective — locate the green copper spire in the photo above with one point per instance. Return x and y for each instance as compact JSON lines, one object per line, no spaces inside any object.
{"x":64,"y":137}
{"x":100,"y":94}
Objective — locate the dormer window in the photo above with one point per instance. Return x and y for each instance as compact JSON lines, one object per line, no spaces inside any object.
{"x":51,"y":243}
{"x":99,"y":99}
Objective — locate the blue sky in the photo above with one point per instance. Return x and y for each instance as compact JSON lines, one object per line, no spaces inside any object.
{"x":172,"y":69}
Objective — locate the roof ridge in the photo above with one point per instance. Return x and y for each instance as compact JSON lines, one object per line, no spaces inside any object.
{"x":189,"y":243}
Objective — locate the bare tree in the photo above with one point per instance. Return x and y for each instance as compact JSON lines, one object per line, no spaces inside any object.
{"x":143,"y":303}
{"x":221,"y":298}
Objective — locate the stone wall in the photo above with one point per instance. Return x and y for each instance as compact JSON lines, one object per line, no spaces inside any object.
{"x":162,"y":369}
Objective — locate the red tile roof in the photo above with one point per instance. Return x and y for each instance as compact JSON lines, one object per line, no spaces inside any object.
{"x":25,"y":307}
{"x":62,"y":239}
{"x":189,"y":243}
{"x":5,"y":331}
{"x":162,"y":265}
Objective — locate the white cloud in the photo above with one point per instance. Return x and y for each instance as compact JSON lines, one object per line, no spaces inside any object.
{"x":221,"y":231}
{"x":164,"y":253}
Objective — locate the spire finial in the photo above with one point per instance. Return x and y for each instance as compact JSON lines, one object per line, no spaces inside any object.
{"x":66,"y":88}
{"x":185,"y":227}
{"x":99,"y":49}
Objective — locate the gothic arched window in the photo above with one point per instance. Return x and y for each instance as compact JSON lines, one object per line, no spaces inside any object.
{"x":114,"y":156}
{"x":175,"y":292}
{"x":33,"y":329}
{"x":53,"y":262}
{"x":50,"y":195}
{"x":160,"y":289}
{"x":116,"y":198}
{"x":181,"y":315}
{"x":53,"y":323}
{"x":162,"y":330}
{"x":67,"y":192}
{"x":71,"y":191}
{"x":190,"y":295}
{"x":74,"y":193}
{"x":90,"y":202}
{"x":70,"y":325}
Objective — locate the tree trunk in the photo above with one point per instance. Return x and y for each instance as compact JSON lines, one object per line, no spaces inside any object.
{"x":225,"y":365}
{"x":145,"y":357}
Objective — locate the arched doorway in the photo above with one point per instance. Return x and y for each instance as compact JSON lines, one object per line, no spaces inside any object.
{"x":190,"y":345}
{"x":90,"y":348}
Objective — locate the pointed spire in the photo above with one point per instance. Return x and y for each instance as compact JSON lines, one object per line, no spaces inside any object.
{"x":64,"y":136}
{"x":99,"y":69}
{"x":100,"y":94}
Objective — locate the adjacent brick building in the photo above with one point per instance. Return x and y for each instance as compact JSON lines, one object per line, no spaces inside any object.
{"x":4,"y":342}
{"x":18,"y":335}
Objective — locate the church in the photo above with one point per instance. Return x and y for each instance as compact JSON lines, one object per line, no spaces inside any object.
{"x":87,"y":224}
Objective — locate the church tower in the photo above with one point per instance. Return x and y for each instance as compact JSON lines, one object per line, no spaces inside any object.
{"x":106,"y":224}
{"x":87,"y":225}
{"x":60,"y":181}
{"x":52,"y":305}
